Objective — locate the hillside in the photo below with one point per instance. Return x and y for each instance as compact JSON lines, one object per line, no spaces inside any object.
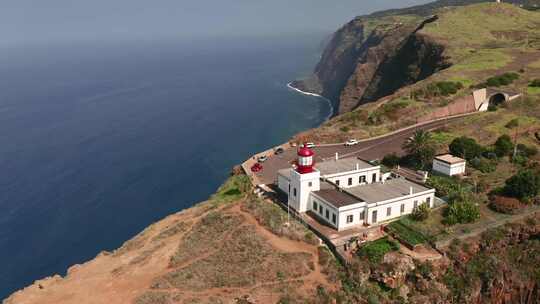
{"x":374,"y":56}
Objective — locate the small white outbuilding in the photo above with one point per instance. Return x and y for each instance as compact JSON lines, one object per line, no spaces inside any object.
{"x":449,"y":164}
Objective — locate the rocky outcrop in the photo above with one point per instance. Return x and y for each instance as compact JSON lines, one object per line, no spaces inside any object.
{"x":361,"y":65}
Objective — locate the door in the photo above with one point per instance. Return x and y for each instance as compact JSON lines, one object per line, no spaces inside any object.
{"x":374,"y":217}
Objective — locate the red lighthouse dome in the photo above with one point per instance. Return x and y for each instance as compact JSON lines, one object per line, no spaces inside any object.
{"x":305,"y":160}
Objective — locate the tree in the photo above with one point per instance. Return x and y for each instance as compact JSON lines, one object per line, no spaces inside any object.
{"x":421,"y":147}
{"x":524,"y":185}
{"x":391,"y":160}
{"x":421,"y":212}
{"x":466,"y":147}
{"x":503,"y":146}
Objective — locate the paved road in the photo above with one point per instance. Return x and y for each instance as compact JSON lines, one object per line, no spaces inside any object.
{"x":370,"y":149}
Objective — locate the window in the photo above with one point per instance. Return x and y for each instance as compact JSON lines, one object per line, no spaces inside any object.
{"x":389,"y":211}
{"x":327,"y":214}
{"x":362,"y":215}
{"x":362,"y":179}
{"x":320,"y":209}
{"x":374,"y":217}
{"x":294,"y":191}
{"x":333,"y":218}
{"x":350,"y":181}
{"x":310,"y":184}
{"x":315,"y":205}
{"x":374,"y":178}
{"x":428,"y":201}
{"x":349,"y":219}
{"x":402,"y":210}
{"x":337,"y":182}
{"x":415,"y":204}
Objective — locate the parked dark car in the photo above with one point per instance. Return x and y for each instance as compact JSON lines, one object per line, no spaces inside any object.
{"x":279,"y":150}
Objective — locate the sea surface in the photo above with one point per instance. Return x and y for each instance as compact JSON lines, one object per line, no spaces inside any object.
{"x":99,"y":140}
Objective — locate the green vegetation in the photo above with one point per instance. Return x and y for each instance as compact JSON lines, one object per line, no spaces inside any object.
{"x":502,"y":80}
{"x":503,"y":146}
{"x":466,"y":147}
{"x":388,"y":111}
{"x":375,"y":251}
{"x":534,"y":86}
{"x":421,"y":213}
{"x":525,"y":185}
{"x":233,"y":189}
{"x":484,"y":165}
{"x":437,"y":89}
{"x":391,"y":160}
{"x":405,"y":233}
{"x":421,"y":148}
{"x":462,"y":208}
{"x":512,"y":123}
{"x":443,"y":185}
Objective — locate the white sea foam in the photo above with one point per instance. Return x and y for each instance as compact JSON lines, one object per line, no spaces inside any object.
{"x":289,"y":85}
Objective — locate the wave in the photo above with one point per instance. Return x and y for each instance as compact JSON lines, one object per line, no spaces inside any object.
{"x":290,"y":86}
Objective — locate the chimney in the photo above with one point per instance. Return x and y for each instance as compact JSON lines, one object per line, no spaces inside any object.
{"x":411,"y":192}
{"x":337,"y":156}
{"x":357,"y":166}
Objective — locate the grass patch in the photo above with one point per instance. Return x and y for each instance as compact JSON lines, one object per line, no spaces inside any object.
{"x":375,"y":251}
{"x":232,"y":190}
{"x":442,"y":138}
{"x":406,"y":234}
{"x":479,"y":60}
{"x":533,"y":90}
{"x":535,"y":64}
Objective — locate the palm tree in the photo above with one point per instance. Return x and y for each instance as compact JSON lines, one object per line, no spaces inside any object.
{"x":421,"y":147}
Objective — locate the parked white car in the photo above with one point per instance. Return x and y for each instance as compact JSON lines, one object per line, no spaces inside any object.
{"x":351,"y":142}
{"x":262,"y":158}
{"x":309,"y":145}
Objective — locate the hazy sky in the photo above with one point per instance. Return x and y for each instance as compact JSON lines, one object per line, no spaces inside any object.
{"x":30,"y":21}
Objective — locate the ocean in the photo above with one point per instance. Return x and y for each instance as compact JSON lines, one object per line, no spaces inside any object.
{"x":99,"y":140}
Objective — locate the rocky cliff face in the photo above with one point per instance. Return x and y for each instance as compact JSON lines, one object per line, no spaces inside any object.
{"x":374,"y":56}
{"x":359,"y":65}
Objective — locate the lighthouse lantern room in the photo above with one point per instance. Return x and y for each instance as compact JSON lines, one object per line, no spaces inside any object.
{"x":305,"y":160}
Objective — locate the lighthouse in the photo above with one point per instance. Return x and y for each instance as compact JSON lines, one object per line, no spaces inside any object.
{"x":305,"y":163}
{"x":304,"y":179}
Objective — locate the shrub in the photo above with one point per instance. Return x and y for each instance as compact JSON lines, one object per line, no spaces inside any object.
{"x":512,"y":123}
{"x":503,"y":204}
{"x":466,"y":147}
{"x":527,"y":151}
{"x":504,"y":145}
{"x":465,"y":211}
{"x":483,"y":165}
{"x":421,"y":213}
{"x":391,"y":160}
{"x":502,"y":80}
{"x":405,"y":233}
{"x":437,"y":89}
{"x":535,"y":83}
{"x":524,"y":185}
{"x":375,"y":251}
{"x":443,"y":185}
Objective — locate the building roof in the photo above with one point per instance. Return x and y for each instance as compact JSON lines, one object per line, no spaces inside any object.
{"x":450,"y":159}
{"x":337,"y":198}
{"x":341,"y":165}
{"x":391,"y":189}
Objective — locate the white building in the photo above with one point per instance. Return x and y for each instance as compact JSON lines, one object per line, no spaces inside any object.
{"x":449,"y":165}
{"x":347,"y":193}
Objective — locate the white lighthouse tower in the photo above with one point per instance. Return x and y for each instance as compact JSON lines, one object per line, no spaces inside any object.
{"x":304,"y":179}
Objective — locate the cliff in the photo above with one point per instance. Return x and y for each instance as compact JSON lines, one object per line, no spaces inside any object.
{"x":373,"y":56}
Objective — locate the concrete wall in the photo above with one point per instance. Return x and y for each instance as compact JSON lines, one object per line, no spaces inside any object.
{"x":447,"y":169}
{"x":395,"y":207}
{"x":355,"y":177}
{"x":283,"y":183}
{"x":301,"y":187}
{"x":322,"y":208}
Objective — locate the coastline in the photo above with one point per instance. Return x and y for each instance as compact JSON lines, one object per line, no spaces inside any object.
{"x":290,"y":86}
